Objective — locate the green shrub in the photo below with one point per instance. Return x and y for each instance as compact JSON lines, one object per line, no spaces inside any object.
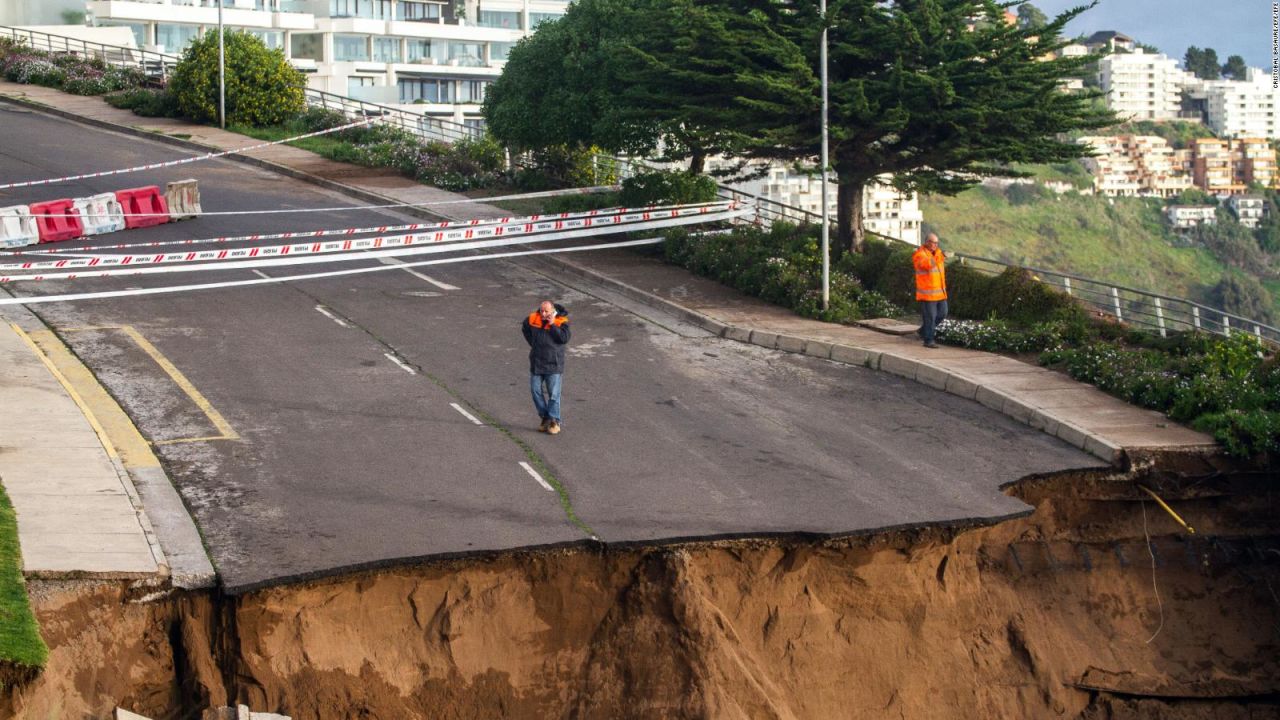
{"x":780,"y":265}
{"x":667,"y":188}
{"x":146,"y":102}
{"x":560,"y":166}
{"x":1244,"y":433}
{"x":262,"y":88}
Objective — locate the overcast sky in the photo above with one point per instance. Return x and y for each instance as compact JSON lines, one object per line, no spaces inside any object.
{"x":1231,"y":27}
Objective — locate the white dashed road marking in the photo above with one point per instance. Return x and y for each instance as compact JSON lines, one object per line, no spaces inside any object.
{"x":536,"y":476}
{"x":466,"y":414}
{"x":261,"y":274}
{"x":325,"y":312}
{"x":420,"y":276}
{"x":400,"y":362}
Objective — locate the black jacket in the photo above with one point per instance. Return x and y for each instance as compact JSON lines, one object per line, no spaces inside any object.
{"x":546,"y":344}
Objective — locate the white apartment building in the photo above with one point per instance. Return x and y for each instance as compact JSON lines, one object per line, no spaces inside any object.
{"x":1241,"y":108}
{"x":429,"y":56}
{"x":1142,"y":86}
{"x":884,"y":210}
{"x":1248,"y":209}
{"x":1115,"y":171}
{"x":1189,"y":216}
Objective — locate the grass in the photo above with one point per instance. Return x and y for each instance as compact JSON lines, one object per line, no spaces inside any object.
{"x":322,"y":145}
{"x":1124,"y":242}
{"x":20,"y":641}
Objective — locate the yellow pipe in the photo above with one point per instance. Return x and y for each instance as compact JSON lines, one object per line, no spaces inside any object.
{"x":1167,"y":509}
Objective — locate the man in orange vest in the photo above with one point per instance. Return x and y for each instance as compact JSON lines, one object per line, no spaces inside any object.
{"x":547,"y":332}
{"x":931,"y":287}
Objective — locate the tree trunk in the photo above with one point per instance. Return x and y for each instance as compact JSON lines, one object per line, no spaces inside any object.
{"x":697,"y":160}
{"x":849,"y":231}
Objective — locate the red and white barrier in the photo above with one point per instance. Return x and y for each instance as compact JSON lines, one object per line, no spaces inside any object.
{"x":57,"y":220}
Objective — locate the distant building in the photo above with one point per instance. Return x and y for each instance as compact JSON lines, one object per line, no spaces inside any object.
{"x":37,"y":12}
{"x":1141,"y":86}
{"x":1230,"y":167}
{"x":1109,"y":41}
{"x":432,"y":57}
{"x":1248,"y":209}
{"x":1189,"y":216}
{"x":1135,"y":165}
{"x":884,"y":210}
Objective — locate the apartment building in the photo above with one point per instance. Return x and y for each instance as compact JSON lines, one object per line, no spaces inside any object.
{"x":884,"y":210}
{"x":1248,"y":209}
{"x":1255,"y":162}
{"x":1189,"y":216}
{"x":1142,"y":86}
{"x":1217,"y":166}
{"x":432,"y":57}
{"x":1240,"y":108}
{"x":1135,"y":165}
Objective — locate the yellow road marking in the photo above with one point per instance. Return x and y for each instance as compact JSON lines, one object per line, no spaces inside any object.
{"x":215,"y":417}
{"x":119,"y":437}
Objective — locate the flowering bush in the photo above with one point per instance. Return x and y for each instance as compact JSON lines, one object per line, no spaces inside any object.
{"x":66,"y":71}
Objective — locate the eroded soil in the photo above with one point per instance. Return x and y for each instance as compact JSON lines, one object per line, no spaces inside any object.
{"x":1054,"y":615}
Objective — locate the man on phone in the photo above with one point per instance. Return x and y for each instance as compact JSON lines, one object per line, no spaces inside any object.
{"x":547,"y":332}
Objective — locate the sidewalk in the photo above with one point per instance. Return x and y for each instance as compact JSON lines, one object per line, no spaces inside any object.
{"x":1074,"y":412}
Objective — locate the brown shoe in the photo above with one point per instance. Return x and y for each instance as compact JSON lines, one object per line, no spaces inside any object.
{"x":553,"y":428}
{"x":546,"y":423}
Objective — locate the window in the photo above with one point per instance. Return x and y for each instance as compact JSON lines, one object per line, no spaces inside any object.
{"x":175,"y":38}
{"x":535,"y":18}
{"x":427,"y":90}
{"x":355,"y":82}
{"x":386,"y":50}
{"x":499,"y":19}
{"x":466,"y":53}
{"x":274,"y":40}
{"x":306,"y":47}
{"x":500,"y":50}
{"x":418,"y":12}
{"x":350,"y":47}
{"x":471,"y":91}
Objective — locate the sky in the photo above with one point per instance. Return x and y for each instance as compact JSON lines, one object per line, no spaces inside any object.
{"x":1231,"y":27}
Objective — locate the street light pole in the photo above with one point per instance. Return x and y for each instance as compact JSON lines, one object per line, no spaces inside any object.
{"x":222,"y":73}
{"x":826,"y":219}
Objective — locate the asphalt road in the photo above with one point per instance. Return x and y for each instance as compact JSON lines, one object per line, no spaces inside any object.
{"x":311,"y":427}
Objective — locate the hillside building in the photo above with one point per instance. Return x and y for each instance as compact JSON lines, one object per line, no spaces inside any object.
{"x":435,"y":58}
{"x":1248,"y":209}
{"x":1189,"y":216}
{"x":1142,"y":86}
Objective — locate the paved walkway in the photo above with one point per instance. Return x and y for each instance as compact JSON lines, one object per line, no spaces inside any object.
{"x":89,"y":480}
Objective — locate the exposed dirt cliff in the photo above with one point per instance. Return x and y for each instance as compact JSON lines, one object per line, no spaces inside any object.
{"x":1054,"y":615}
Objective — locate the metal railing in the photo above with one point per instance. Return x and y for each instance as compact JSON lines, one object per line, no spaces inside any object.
{"x":423,"y":127}
{"x":154,"y":64}
{"x":1162,"y":314}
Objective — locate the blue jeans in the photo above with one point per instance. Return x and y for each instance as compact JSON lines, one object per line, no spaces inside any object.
{"x":546,"y":395}
{"x":931,"y":313}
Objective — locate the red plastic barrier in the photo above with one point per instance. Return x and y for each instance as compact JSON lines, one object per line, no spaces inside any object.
{"x":143,"y":207}
{"x":57,"y":220}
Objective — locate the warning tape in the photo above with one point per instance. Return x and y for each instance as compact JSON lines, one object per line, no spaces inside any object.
{"x":184,"y":161}
{"x":373,"y":247}
{"x":83,"y":251}
{"x":343,"y":208}
{"x":105,"y":294}
{"x":334,"y":246}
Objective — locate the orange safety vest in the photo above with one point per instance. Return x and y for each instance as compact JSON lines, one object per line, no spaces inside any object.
{"x":931,"y":276}
{"x":535,"y":320}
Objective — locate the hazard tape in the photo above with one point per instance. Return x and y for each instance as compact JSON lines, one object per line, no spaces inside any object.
{"x":390,"y":206}
{"x":410,"y":245}
{"x":441,"y":236}
{"x":106,"y":294}
{"x":84,"y":251}
{"x":184,"y":161}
